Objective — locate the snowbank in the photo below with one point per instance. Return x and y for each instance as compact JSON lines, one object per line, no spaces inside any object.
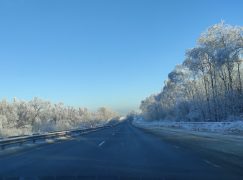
{"x":15,"y":132}
{"x":235,"y":127}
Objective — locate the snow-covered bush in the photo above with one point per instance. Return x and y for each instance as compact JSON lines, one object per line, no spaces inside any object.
{"x":26,"y":117}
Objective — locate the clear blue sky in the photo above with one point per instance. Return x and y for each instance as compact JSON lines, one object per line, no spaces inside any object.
{"x":99,"y":53}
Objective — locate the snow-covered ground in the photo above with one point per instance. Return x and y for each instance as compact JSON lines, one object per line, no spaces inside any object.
{"x":46,"y":128}
{"x":15,"y":132}
{"x":235,"y":127}
{"x":222,"y":140}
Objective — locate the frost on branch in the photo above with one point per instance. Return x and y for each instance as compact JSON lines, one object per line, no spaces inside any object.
{"x":208,"y":84}
{"x":26,"y":117}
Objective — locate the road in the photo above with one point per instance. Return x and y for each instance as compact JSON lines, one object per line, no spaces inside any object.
{"x":121,"y":152}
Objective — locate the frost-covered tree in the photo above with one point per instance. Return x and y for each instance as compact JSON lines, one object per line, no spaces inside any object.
{"x":39,"y":115}
{"x":208,"y":84}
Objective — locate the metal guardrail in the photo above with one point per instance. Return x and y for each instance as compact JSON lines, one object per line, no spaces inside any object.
{"x":33,"y":138}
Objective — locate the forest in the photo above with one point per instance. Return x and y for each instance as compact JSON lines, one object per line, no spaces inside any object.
{"x":207,"y":86}
{"x":37,"y":116}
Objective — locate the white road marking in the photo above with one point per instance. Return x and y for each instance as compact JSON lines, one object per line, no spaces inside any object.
{"x":50,"y":141}
{"x":212,"y":164}
{"x":101,"y":143}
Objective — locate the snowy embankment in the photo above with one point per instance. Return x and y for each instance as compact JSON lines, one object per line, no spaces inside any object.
{"x":14,"y":132}
{"x":235,"y":127}
{"x":47,"y":128}
{"x":28,"y":130}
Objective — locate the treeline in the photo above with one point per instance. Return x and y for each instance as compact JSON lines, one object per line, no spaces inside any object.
{"x":207,"y":86}
{"x":38,"y":115}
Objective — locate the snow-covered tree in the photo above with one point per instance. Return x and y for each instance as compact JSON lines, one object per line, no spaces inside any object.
{"x":208,"y":84}
{"x":40,"y":115}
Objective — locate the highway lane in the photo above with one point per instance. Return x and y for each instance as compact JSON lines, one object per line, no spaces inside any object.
{"x":121,"y":152}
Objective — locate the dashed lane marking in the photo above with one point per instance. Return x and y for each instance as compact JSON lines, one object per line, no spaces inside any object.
{"x":212,"y":164}
{"x":101,"y":143}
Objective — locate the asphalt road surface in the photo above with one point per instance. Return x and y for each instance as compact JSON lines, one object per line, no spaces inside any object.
{"x":121,"y":152}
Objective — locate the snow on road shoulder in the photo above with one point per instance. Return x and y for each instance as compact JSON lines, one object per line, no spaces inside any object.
{"x":235,"y":127}
{"x":220,"y":145}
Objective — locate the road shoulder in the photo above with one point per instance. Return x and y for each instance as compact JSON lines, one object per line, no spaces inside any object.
{"x":221,"y":150}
